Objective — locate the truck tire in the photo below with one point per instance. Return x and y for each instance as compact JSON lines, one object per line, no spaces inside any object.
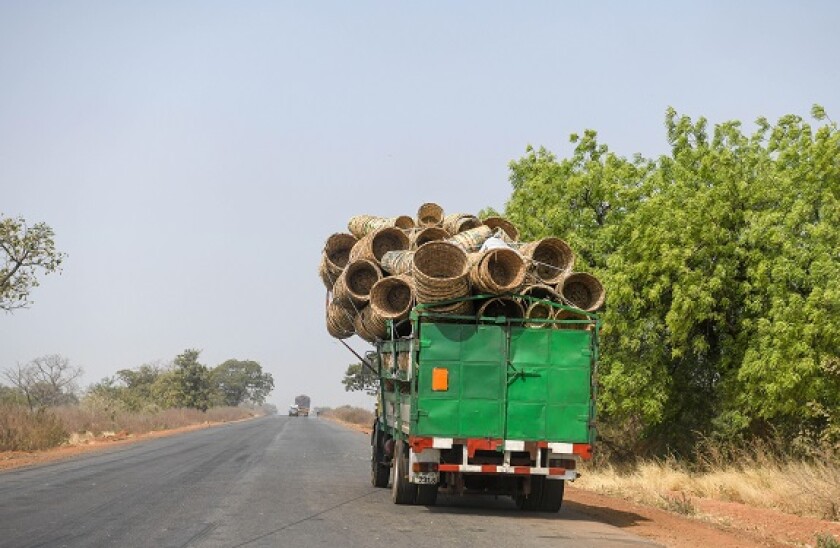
{"x":379,"y":472}
{"x":402,"y":491}
{"x":552,"y":495}
{"x":531,"y":502}
{"x":427,"y":495}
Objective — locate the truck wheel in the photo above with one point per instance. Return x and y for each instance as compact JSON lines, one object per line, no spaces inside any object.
{"x":379,"y":473}
{"x":552,"y":495}
{"x":402,"y":491}
{"x":427,"y":495}
{"x":531,"y":503}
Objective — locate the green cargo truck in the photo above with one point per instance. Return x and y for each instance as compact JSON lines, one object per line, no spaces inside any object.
{"x":489,"y":405}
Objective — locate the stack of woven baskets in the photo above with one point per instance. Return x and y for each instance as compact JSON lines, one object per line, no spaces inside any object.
{"x":385,"y":266}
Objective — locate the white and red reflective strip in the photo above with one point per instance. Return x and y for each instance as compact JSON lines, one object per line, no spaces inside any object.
{"x":552,"y":472}
{"x":582,"y":450}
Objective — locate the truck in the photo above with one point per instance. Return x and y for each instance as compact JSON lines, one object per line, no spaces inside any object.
{"x":491,"y":405}
{"x":301,"y":406}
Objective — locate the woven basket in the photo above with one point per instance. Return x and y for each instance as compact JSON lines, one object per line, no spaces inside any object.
{"x":499,"y":270}
{"x":334,"y":257}
{"x":508,"y":228}
{"x":369,"y":325}
{"x":471,"y":240}
{"x":583,"y":291}
{"x":428,"y":234}
{"x":541,"y":291}
{"x":377,"y":243}
{"x":355,"y":283}
{"x":551,"y":259}
{"x":459,"y":222}
{"x":429,"y":214}
{"x":340,"y":320}
{"x":539,"y":311}
{"x":397,"y":262}
{"x":440,"y":273}
{"x":569,"y":315}
{"x":362,"y":225}
{"x":501,"y":306}
{"x":392,"y":298}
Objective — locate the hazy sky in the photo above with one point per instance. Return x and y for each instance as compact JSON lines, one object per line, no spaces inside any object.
{"x":192,"y":157}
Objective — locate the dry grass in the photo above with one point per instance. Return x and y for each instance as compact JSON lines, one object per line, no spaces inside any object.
{"x":353,"y":415}
{"x":806,"y":488}
{"x":21,"y":430}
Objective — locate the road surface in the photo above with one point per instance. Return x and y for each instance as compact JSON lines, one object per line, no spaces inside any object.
{"x":274,"y":481}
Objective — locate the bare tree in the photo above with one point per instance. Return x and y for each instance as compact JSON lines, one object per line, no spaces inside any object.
{"x":45,"y":381}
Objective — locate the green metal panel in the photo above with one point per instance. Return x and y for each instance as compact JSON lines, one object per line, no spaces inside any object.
{"x":504,"y":382}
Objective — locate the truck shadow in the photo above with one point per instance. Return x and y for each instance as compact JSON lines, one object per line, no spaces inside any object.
{"x":505,"y":507}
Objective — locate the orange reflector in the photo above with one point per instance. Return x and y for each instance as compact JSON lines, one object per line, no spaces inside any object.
{"x":440,"y":379}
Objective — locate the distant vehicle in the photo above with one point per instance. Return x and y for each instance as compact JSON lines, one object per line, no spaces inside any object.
{"x":300,"y":407}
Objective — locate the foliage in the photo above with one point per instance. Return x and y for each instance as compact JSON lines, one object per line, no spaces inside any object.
{"x":358,"y":378}
{"x":24,"y":251}
{"x":46,"y":381}
{"x":723,"y":276}
{"x":238,"y":381}
{"x":24,"y":430}
{"x":192,"y":381}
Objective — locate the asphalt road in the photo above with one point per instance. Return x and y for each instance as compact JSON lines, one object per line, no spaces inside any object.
{"x":275,"y":481}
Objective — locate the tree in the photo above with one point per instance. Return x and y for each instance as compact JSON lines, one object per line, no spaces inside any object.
{"x":723,"y":278}
{"x":238,"y":381}
{"x":45,"y":381}
{"x":192,"y":381}
{"x":358,"y":378}
{"x":24,"y":251}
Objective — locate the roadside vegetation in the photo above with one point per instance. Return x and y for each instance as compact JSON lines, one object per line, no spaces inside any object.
{"x":43,"y":407}
{"x":348,"y":414}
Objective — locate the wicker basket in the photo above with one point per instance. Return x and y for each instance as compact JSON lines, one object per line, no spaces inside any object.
{"x":369,"y":325}
{"x":355,"y":283}
{"x":362,"y":225}
{"x":551,"y":259}
{"x":392,"y":298}
{"x":428,"y":234}
{"x":541,"y":291}
{"x":429,"y":214}
{"x":440,"y":273}
{"x":501,"y":306}
{"x":471,"y":240}
{"x":509,"y":230}
{"x":377,"y":243}
{"x":397,"y":262}
{"x":569,"y":315}
{"x":539,"y":311}
{"x":459,"y":222}
{"x":340,"y":320}
{"x":583,"y":291}
{"x":335,"y":256}
{"x":499,"y":270}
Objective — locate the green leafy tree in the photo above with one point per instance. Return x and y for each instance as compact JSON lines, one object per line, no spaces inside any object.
{"x":359,"y":378}
{"x":240,"y":381}
{"x":192,"y":381}
{"x":24,"y":252}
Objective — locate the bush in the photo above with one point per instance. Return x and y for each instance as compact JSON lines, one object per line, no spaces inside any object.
{"x":24,"y":430}
{"x":347,"y":413}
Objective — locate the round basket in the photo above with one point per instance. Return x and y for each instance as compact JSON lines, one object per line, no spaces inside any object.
{"x":583,"y":291}
{"x":459,"y":222}
{"x":441,"y":273}
{"x":335,"y":256}
{"x":377,"y":243}
{"x":539,"y":311}
{"x":340,"y":320}
{"x":499,"y":270}
{"x":551,"y":259}
{"x":429,"y":214}
{"x":501,"y":306}
{"x":369,"y":325}
{"x":569,"y":315}
{"x":362,"y":225}
{"x":508,"y":228}
{"x":471,"y":240}
{"x":355,"y":283}
{"x":428,"y":234}
{"x":541,"y":291}
{"x":392,"y":297}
